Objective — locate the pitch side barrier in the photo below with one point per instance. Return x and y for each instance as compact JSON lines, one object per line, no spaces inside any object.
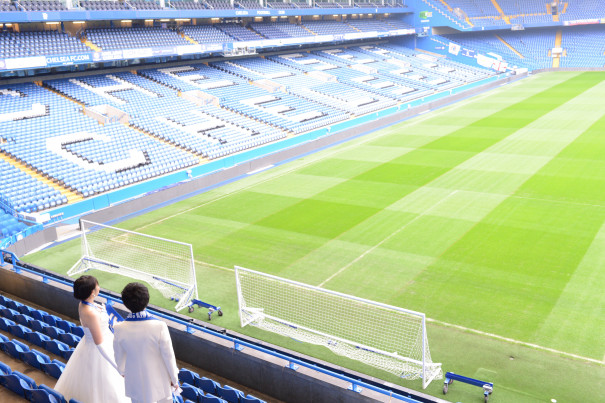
{"x":357,"y":384}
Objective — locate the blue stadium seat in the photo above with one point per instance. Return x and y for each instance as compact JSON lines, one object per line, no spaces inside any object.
{"x":38,"y":339}
{"x":54,"y":368}
{"x":191,"y":392}
{"x":69,"y":339}
{"x":208,"y":398}
{"x":57,"y":347}
{"x":208,"y":385}
{"x":26,"y":310}
{"x":190,"y":377}
{"x":9,"y":313}
{"x":64,"y":325}
{"x":4,"y":369}
{"x":35,"y":358}
{"x":74,"y":401}
{"x":251,"y":399}
{"x":52,"y":319}
{"x":39,"y":326}
{"x":39,"y":315}
{"x":12,"y":304}
{"x":17,"y":382}
{"x":78,"y":331}
{"x":5,"y":323}
{"x":19,"y":331}
{"x":229,"y":394}
{"x":14,"y":348}
{"x":23,"y":319}
{"x":53,"y":331}
{"x":44,"y":394}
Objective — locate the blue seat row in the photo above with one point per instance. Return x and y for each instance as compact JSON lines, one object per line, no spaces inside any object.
{"x":199,"y":389}
{"x":26,"y":387}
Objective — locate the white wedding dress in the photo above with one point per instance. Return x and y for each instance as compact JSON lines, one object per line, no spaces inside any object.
{"x":88,"y":376}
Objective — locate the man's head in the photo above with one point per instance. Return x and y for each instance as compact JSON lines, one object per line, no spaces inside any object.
{"x":135,"y":297}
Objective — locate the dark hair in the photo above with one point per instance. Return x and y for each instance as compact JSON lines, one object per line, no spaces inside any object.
{"x":84,"y":286}
{"x":135,"y":297}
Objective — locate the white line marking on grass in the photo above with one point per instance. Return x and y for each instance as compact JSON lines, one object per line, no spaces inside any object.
{"x":513,"y":341}
{"x":358,"y":258}
{"x":259,"y":170}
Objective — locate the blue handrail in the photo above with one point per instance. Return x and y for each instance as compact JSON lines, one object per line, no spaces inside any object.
{"x":238,"y":343}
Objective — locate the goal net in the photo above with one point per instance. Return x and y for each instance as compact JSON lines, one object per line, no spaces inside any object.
{"x":166,"y":265}
{"x":383,"y":336}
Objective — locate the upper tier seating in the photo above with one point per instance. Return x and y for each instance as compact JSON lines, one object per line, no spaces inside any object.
{"x":280,"y":30}
{"x":248,"y":4}
{"x":239,"y":32}
{"x":136,"y":37}
{"x":7,"y":5}
{"x":42,"y":5}
{"x":206,"y":34}
{"x":582,"y":9}
{"x":104,"y":5}
{"x":188,"y":5}
{"x":144,"y":5}
{"x":22,"y":44}
{"x":219,"y":4}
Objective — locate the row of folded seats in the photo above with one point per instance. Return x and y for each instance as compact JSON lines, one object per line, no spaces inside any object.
{"x":60,"y":337}
{"x":199,"y":389}
{"x":26,"y":387}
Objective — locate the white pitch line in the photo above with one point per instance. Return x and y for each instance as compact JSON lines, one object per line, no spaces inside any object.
{"x":358,"y":258}
{"x":519,"y":342}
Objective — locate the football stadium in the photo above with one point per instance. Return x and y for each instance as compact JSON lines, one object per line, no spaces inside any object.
{"x":328,"y":201}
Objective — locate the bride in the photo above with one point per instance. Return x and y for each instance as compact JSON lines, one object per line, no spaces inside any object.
{"x":91,"y":375}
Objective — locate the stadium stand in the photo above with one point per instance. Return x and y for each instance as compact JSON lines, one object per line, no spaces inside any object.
{"x":46,"y":5}
{"x":582,"y":9}
{"x":36,"y":327}
{"x":104,"y":5}
{"x":206,"y":34}
{"x":144,"y":5}
{"x":188,"y":5}
{"x":219,"y":4}
{"x":135,"y":37}
{"x":583,"y":46}
{"x":7,"y":5}
{"x":33,"y":43}
{"x":239,"y":32}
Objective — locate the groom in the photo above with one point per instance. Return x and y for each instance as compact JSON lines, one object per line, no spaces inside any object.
{"x":143,"y":351}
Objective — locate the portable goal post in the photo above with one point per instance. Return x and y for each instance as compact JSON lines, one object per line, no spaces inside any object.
{"x":166,"y":265}
{"x":383,"y":336}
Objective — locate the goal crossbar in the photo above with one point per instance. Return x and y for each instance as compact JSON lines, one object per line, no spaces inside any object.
{"x":391,"y":338}
{"x":166,"y":265}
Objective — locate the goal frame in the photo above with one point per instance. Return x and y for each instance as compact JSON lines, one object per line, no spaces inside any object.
{"x":256,"y":312}
{"x":88,"y":261}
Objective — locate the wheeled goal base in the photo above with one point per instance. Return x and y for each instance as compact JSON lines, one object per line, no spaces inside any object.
{"x":202,"y":304}
{"x":450,"y":377}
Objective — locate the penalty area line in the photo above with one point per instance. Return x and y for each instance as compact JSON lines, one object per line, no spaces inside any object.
{"x":514,"y":341}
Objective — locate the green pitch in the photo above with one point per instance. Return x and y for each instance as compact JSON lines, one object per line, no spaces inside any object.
{"x":488,"y":215}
